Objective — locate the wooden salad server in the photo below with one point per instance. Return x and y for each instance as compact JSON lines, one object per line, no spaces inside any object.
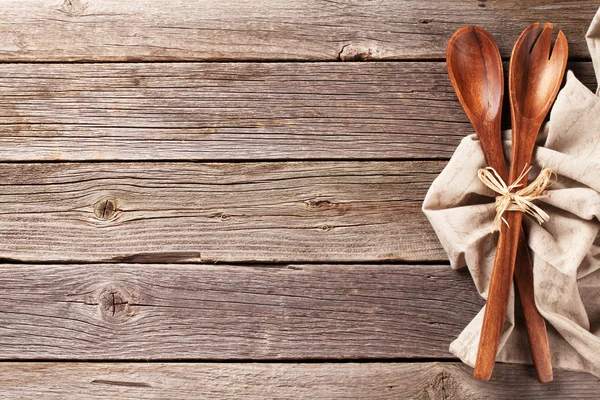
{"x":535,"y":76}
{"x":475,"y":69}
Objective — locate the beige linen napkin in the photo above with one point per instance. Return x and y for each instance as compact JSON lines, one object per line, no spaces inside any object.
{"x":565,"y":250}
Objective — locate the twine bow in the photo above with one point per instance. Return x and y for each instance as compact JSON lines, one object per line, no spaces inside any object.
{"x":522,"y":199}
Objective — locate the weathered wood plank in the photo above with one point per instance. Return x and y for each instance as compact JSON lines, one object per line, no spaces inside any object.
{"x":259,"y":30}
{"x":231,"y":111}
{"x":205,"y":212}
{"x":196,"y":311}
{"x":449,"y":381}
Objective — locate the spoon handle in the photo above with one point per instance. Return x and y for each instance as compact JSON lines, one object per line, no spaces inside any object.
{"x":509,"y":254}
{"x":498,"y":295}
{"x":534,"y":321}
{"x":504,"y":268}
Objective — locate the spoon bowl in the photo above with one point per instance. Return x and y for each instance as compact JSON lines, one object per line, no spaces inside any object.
{"x":475,"y":69}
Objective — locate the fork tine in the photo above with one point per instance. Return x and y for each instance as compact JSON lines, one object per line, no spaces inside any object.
{"x":529,"y":35}
{"x":541,"y":48}
{"x":526,"y":40}
{"x":561,"y":48}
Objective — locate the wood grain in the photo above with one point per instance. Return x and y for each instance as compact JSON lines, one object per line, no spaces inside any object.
{"x":121,"y":261}
{"x":208,"y":212}
{"x":115,"y":30}
{"x":226,"y":312}
{"x":423,"y":381}
{"x":227,"y":111}
{"x":232,"y":111}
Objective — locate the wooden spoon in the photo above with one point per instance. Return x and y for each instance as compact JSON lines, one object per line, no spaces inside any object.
{"x":475,"y":69}
{"x":535,"y":77}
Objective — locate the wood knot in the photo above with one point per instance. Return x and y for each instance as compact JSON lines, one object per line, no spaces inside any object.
{"x":114,"y":303}
{"x":318,"y":203}
{"x":73,"y":8}
{"x":442,"y":385}
{"x":357,"y":52}
{"x":220,"y":215}
{"x":105,"y":209}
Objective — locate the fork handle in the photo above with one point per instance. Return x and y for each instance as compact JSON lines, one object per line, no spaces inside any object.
{"x":534,"y":321}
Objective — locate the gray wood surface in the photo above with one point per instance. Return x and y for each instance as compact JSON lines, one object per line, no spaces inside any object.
{"x":166,"y":222}
{"x":225,"y":312}
{"x":231,"y":111}
{"x":422,"y":381}
{"x":205,"y":212}
{"x":258,"y":30}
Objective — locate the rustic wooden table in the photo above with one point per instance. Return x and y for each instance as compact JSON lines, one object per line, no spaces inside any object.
{"x":221,"y":198}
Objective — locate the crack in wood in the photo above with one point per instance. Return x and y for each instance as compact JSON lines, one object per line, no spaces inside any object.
{"x":120,"y":383}
{"x":443,"y":379}
{"x":116,"y":303}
